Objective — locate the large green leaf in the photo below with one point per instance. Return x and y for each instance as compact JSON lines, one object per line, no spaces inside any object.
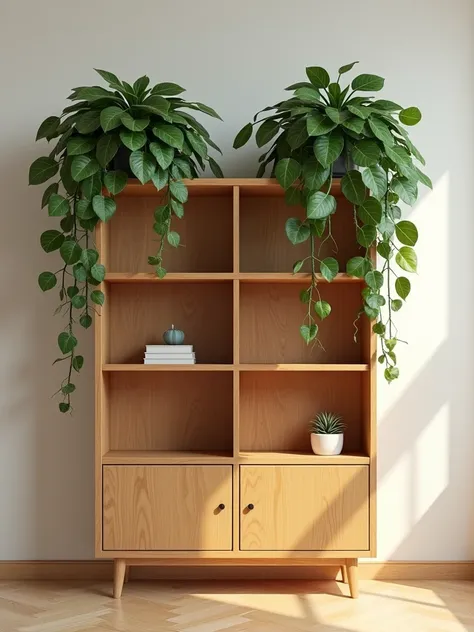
{"x":318,"y":124}
{"x":107,"y":147}
{"x":375,"y":179}
{"x":314,"y":174}
{"x":202,"y":107}
{"x":48,"y":127}
{"x":309,"y":332}
{"x":42,"y":169}
{"x":405,"y":189}
{"x":329,"y":147}
{"x":370,"y":211}
{"x":169,"y":134}
{"x":110,"y":118}
{"x":402,"y":287}
{"x":355,"y":124}
{"x":167,"y":89}
{"x":83,"y":167}
{"x":164,"y":154}
{"x":155,"y":105}
{"x":320,"y":205}
{"x":287,"y":171}
{"x":374,"y":279}
{"x":352,"y":187}
{"x":369,"y":83}
{"x":361,"y":111}
{"x":267,"y":130}
{"x":407,"y":233}
{"x":94,"y":93}
{"x":381,"y":131}
{"x":406,"y":259}
{"x":58,"y":206}
{"x":322,"y":309}
{"x":134,"y":125}
{"x":318,"y":76}
{"x":48,"y":192}
{"x":88,"y":122}
{"x":423,"y":178}
{"x":80,"y":145}
{"x":179,"y":191}
{"x":383,"y":104}
{"x":197,"y":143}
{"x":358,"y":267}
{"x":366,"y":235}
{"x":51,"y":240}
{"x":92,"y":186}
{"x":410,"y":116}
{"x":84,"y":209}
{"x":308,"y":94}
{"x":297,"y":134}
{"x":347,"y":67}
{"x":365,"y":153}
{"x":336,"y":115}
{"x":66,"y":342}
{"x":47,"y":280}
{"x":296,"y":231}
{"x":104,"y":207}
{"x":70,"y":251}
{"x":398,"y":155}
{"x":329,"y":268}
{"x":108,"y":76}
{"x":243,"y":136}
{"x":142,"y":165}
{"x":89,"y":258}
{"x":133,"y":140}
{"x":115,"y":181}
{"x":160,"y":178}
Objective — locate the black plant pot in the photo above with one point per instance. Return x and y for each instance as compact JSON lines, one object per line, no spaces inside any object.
{"x":121,"y":161}
{"x":340,"y":168}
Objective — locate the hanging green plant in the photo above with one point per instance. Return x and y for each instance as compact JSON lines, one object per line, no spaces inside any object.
{"x":163,"y":142}
{"x":309,"y":132}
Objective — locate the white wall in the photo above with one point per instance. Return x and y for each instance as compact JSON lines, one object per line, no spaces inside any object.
{"x":237,"y":57}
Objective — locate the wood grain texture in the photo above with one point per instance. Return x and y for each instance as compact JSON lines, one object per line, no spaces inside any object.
{"x":158,"y":457}
{"x":205,"y":230}
{"x":264,"y":246}
{"x":279,"y":457}
{"x":304,"y":508}
{"x":171,"y":411}
{"x":166,"y":368}
{"x":140,"y":313}
{"x":270,"y":319}
{"x":276,"y":408}
{"x":218,"y":605}
{"x":168,"y":507}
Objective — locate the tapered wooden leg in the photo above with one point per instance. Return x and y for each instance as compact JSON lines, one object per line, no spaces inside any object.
{"x":119,"y":576}
{"x":127,"y":575}
{"x":344,"y":574}
{"x":352,"y":566}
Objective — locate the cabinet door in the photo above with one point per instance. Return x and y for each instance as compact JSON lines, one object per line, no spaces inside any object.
{"x":167,"y":508}
{"x":304,"y":508}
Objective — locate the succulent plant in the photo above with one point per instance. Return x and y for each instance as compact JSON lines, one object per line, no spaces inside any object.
{"x":327,"y":423}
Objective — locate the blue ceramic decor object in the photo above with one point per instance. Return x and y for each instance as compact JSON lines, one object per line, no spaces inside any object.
{"x":173,"y":336}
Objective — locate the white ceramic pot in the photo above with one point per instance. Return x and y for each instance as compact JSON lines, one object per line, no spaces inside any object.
{"x":327,"y":444}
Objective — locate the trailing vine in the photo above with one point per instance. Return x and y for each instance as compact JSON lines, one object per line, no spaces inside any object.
{"x":321,"y":125}
{"x":162,"y":142}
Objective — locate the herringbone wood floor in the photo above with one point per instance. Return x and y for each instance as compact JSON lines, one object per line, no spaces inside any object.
{"x":418,"y":606}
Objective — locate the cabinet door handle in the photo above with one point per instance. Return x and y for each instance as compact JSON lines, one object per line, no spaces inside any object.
{"x":222,"y":506}
{"x":250,"y":506}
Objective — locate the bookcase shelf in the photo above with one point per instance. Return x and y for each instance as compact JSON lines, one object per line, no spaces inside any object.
{"x":232,"y":429}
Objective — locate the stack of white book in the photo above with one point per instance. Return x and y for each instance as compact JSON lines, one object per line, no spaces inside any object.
{"x":169,"y":354}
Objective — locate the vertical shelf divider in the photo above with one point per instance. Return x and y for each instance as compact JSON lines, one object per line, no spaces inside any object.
{"x":101,"y":439}
{"x":236,"y":361}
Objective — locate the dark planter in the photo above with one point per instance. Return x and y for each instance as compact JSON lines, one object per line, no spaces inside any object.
{"x":121,"y":161}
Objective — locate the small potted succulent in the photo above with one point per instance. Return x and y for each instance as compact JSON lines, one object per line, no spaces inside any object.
{"x":327,"y":434}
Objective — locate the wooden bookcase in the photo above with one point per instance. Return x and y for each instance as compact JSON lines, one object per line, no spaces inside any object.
{"x":211,"y":463}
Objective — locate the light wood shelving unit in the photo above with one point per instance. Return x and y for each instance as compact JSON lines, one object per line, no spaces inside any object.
{"x":211,"y":463}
